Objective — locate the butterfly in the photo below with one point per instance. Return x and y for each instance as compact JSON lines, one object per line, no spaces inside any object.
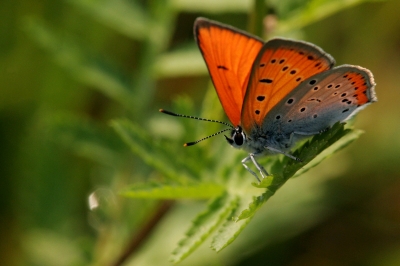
{"x":277,"y":92}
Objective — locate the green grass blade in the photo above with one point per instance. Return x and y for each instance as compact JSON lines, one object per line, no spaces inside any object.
{"x":347,"y":139}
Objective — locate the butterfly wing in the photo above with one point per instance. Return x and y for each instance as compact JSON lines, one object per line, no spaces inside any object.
{"x":322,"y":100}
{"x":229,"y":54}
{"x":279,"y":68}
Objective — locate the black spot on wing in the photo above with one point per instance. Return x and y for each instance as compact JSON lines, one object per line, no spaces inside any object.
{"x":260,"y":98}
{"x":222,"y":67}
{"x":266,"y":80}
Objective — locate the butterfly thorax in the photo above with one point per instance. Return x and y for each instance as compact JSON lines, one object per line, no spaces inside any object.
{"x":260,"y":142}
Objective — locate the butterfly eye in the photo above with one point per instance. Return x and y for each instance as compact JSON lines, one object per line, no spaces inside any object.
{"x":238,"y":138}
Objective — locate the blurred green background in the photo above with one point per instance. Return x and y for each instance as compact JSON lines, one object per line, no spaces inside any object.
{"x":67,"y":68}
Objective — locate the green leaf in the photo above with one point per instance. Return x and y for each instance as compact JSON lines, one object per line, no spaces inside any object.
{"x":255,"y":205}
{"x":230,"y":229}
{"x":309,"y":150}
{"x":157,"y":190}
{"x":204,"y":224}
{"x":345,"y":140}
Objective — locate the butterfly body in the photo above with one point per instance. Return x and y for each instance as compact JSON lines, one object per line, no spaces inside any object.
{"x":278,"y":92}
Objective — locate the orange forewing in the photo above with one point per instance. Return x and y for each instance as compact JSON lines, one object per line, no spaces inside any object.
{"x":229,"y":54}
{"x":280,"y":66}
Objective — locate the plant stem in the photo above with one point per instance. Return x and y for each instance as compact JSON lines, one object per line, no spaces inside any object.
{"x":140,"y":238}
{"x":256,"y":18}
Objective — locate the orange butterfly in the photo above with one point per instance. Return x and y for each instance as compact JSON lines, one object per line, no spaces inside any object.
{"x":277,"y":92}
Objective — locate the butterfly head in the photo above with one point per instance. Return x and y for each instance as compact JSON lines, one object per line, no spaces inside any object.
{"x":238,"y":137}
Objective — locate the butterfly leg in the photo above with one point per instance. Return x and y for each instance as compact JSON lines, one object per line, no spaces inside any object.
{"x":261,"y":169}
{"x":284,"y":153}
{"x":248,"y":169}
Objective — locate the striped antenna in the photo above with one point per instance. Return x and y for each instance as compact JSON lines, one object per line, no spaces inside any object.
{"x":194,"y":117}
{"x":197,"y":141}
{"x":202,"y":119}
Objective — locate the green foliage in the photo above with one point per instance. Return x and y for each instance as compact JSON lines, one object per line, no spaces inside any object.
{"x":69,"y":68}
{"x":230,"y":213}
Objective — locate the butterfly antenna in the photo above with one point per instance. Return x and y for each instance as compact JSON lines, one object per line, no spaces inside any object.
{"x":197,"y":141}
{"x":197,"y":118}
